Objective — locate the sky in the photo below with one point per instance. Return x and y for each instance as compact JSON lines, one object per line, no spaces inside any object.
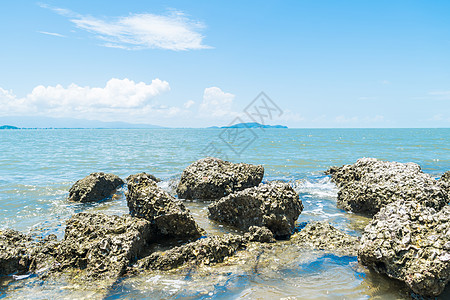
{"x":202,"y":63}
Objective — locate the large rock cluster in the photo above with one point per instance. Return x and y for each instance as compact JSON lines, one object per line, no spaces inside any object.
{"x":94,"y":187}
{"x":369,"y":184}
{"x":273,"y":205}
{"x":410,"y":242}
{"x":213,"y":178}
{"x":168,"y":215}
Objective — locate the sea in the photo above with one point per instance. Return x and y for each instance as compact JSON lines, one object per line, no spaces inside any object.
{"x":38,"y":167}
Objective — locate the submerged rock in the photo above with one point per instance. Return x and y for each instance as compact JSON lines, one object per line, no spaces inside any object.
{"x":410,"y":242}
{"x":259,"y":234}
{"x":274,"y":205}
{"x":212,"y":178}
{"x":204,"y":251}
{"x":168,"y":215}
{"x":323,"y":236}
{"x":15,"y":256}
{"x":99,"y":247}
{"x":94,"y":187}
{"x":369,"y":184}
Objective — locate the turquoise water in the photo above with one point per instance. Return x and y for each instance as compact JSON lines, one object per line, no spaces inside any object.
{"x":37,"y":168}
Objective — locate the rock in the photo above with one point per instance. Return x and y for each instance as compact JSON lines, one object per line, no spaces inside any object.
{"x":168,"y":215}
{"x":213,"y":178}
{"x":410,"y":242}
{"x":99,"y":247}
{"x":140,"y":176}
{"x":204,"y":251}
{"x":323,"y":236}
{"x":14,"y":252}
{"x":94,"y":187}
{"x":273,"y":205}
{"x":370,"y":184}
{"x":444,"y":181}
{"x":259,"y":234}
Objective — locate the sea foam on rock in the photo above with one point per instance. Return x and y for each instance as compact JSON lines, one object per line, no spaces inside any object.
{"x":94,"y":187}
{"x":369,"y":184}
{"x":168,"y":215}
{"x":410,"y":242}
{"x":212,"y":178}
{"x":273,"y":205}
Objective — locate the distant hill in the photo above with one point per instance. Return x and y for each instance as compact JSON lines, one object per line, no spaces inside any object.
{"x":47,"y":122}
{"x":253,"y":125}
{"x":8,"y":127}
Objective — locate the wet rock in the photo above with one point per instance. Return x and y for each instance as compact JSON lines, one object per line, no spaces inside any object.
{"x":323,"y":236}
{"x":94,"y":187}
{"x":14,"y":252}
{"x":167,"y":214}
{"x":410,"y":242}
{"x":273,"y":205}
{"x":370,"y":184}
{"x":259,"y":234}
{"x":204,"y":251}
{"x":212,"y":178}
{"x":99,"y":247}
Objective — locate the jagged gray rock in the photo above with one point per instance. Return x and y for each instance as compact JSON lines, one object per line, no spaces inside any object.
{"x":99,"y":247}
{"x":323,"y":236}
{"x":168,"y":215}
{"x":370,"y":184}
{"x":212,"y":178}
{"x":94,"y":187}
{"x":14,"y":252}
{"x":273,"y":205}
{"x":259,"y":234}
{"x":410,"y":242}
{"x":204,"y":251}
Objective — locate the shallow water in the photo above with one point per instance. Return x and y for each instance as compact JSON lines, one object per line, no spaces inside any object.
{"x":37,"y":167}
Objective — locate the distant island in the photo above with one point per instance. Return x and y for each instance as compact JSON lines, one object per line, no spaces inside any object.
{"x":8,"y":127}
{"x":251,"y":125}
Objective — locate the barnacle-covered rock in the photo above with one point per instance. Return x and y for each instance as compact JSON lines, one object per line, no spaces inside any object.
{"x":94,"y":187}
{"x":167,"y":214}
{"x":204,"y":251}
{"x":100,"y":247}
{"x":410,"y":242}
{"x":369,"y":184}
{"x":323,"y":236}
{"x":273,"y":205}
{"x":259,"y":234}
{"x":14,"y":252}
{"x":212,"y":178}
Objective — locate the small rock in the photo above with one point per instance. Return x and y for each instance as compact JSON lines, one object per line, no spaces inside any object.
{"x":204,"y":251}
{"x":212,"y":178}
{"x":94,"y":187}
{"x":168,"y":215}
{"x":273,"y":205}
{"x":323,"y":236}
{"x":259,"y":234}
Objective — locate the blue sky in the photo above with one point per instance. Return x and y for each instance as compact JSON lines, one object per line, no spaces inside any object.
{"x":200,"y":63}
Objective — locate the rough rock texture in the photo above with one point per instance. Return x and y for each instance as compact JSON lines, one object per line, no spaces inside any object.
{"x":370,"y":184}
{"x":273,"y":205}
{"x":212,"y":178}
{"x":204,"y":251}
{"x":259,"y":234}
{"x":444,"y":181}
{"x":323,"y":236}
{"x":140,"y":176}
{"x":410,"y":242}
{"x":14,"y":252}
{"x":102,"y":246}
{"x":168,"y":215}
{"x":94,"y":187}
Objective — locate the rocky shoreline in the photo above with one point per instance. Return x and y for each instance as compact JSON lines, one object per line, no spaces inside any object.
{"x":408,"y":238}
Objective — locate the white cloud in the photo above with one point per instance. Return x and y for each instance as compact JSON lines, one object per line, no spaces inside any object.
{"x":173,"y":31}
{"x":188,"y":104}
{"x":216,"y":103}
{"x":52,"y":33}
{"x":119,"y":98}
